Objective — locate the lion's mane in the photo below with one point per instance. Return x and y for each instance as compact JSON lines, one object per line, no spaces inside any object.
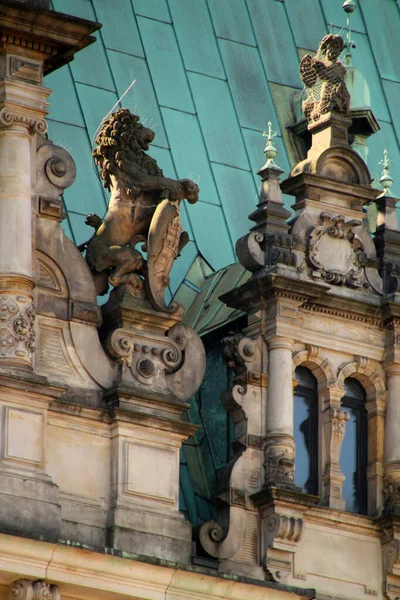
{"x":118,"y":146}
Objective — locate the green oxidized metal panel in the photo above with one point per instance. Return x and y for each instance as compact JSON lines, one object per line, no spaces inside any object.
{"x":231,"y":21}
{"x":218,"y":120}
{"x":189,"y":152}
{"x":275,"y":41}
{"x":155,"y":9}
{"x":64,"y":104}
{"x":141,"y":98}
{"x":165,"y":64}
{"x":383,"y":25}
{"x":392,"y":91}
{"x":196,"y":37}
{"x":182,"y":265}
{"x":239,"y":198}
{"x":307,"y":22}
{"x":96,"y":104}
{"x":248,"y":85}
{"x":90,"y":65}
{"x":120,"y":31}
{"x":211,"y":234}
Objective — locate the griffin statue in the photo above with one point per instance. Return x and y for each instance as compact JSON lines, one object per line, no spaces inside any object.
{"x":143,"y":208}
{"x":323,"y":77}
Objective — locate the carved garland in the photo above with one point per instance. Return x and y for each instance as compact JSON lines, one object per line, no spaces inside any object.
{"x":341,"y":262}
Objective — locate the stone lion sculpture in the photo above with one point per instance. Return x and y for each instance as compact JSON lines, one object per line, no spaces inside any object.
{"x":323,"y":77}
{"x":143,"y":207}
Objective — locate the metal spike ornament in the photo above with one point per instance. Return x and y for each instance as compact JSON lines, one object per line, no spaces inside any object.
{"x":386,"y":181}
{"x":349,"y":7}
{"x":270,"y":152}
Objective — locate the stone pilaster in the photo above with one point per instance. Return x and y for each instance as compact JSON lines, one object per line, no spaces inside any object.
{"x":391,"y":489}
{"x":334,"y":423}
{"x":279,"y":445}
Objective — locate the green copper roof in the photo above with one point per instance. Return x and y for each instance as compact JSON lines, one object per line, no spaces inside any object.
{"x":209,"y":75}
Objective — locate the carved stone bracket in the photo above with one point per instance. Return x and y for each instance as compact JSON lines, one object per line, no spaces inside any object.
{"x":24,"y":589}
{"x":334,"y":428}
{"x":35,"y":125}
{"x":335,"y":253}
{"x":17,"y":336}
{"x":281,"y":535}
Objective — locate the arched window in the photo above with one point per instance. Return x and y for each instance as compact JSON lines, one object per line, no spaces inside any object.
{"x":306,"y":431}
{"x":353,"y":455}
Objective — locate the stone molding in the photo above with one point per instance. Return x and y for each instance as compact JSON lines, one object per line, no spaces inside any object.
{"x":34,"y":125}
{"x":25,"y":589}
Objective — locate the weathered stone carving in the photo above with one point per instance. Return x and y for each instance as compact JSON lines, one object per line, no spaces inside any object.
{"x":334,"y":425}
{"x":24,"y":589}
{"x":143,"y":208}
{"x":336,"y":253}
{"x":279,"y":462}
{"x":323,"y":77}
{"x":17,"y":336}
{"x":391,"y":494}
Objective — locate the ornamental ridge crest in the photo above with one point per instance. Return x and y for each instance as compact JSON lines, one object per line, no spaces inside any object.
{"x":335,"y":253}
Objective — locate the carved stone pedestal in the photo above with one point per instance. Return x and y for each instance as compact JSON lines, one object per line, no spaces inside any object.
{"x":161,"y":365}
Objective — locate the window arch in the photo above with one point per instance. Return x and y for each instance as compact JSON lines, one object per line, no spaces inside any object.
{"x":353,"y":455}
{"x":305,"y":429}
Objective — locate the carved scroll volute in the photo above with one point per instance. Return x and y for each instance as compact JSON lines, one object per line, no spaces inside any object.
{"x":24,"y":589}
{"x":333,"y":478}
{"x":281,"y":536}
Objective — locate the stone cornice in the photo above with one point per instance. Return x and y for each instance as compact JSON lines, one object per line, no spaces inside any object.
{"x":45,"y":34}
{"x":89,"y":573}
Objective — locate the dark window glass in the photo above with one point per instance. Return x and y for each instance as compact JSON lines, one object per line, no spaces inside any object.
{"x":306,"y":431}
{"x":353,"y":455}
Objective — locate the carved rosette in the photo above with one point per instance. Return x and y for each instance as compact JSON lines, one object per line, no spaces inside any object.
{"x":335,"y":253}
{"x":24,"y":589}
{"x":279,"y":461}
{"x":17,"y":335}
{"x":35,"y":125}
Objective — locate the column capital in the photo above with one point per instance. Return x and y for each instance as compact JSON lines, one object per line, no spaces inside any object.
{"x":392,"y":370}
{"x":279,"y":342}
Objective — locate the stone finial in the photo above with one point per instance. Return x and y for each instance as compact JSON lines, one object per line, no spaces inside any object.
{"x":25,"y":589}
{"x":143,"y":208}
{"x":270,"y":151}
{"x":385,"y":180}
{"x":323,"y":78}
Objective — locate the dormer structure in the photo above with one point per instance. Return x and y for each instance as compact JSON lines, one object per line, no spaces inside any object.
{"x":312,"y":494}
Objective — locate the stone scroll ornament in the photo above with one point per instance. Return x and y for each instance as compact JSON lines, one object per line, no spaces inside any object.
{"x":143,"y":208}
{"x":323,"y":78}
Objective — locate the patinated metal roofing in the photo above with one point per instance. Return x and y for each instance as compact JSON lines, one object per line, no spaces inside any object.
{"x":209,"y":76}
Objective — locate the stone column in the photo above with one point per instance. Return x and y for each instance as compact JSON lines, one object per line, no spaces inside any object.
{"x":17,"y":313}
{"x":334,"y":424}
{"x":392,"y":441}
{"x":279,"y":449}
